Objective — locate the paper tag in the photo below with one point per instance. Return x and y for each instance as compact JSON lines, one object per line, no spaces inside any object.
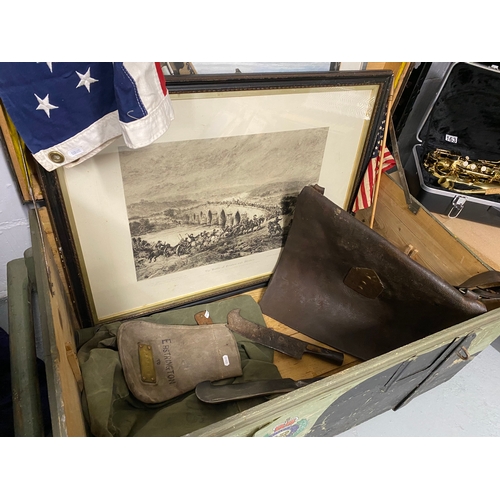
{"x":451,"y":138}
{"x":225,"y":360}
{"x":75,"y":152}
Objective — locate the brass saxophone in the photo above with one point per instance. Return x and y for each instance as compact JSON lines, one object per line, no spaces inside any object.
{"x":481,"y":176}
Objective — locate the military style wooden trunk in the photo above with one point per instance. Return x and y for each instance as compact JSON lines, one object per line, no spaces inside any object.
{"x":348,"y":395}
{"x":89,"y":201}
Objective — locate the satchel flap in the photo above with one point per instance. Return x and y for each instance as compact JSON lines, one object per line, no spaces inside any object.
{"x":342,"y":284}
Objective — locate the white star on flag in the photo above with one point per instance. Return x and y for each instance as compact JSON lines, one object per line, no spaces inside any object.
{"x":45,"y":105}
{"x":49,"y":65}
{"x":86,"y":80}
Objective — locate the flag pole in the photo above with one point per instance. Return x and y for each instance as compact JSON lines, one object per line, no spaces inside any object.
{"x":378,"y":171}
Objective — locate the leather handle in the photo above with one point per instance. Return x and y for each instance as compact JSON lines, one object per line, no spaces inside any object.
{"x":327,"y":354}
{"x":210,"y":393}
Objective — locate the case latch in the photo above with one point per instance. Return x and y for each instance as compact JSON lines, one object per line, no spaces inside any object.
{"x":457,"y":205}
{"x":448,"y":364}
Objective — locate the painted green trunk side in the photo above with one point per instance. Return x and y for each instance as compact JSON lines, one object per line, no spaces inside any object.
{"x":312,"y":406}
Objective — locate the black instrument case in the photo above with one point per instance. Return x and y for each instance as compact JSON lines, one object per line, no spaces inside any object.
{"x":464,"y":118}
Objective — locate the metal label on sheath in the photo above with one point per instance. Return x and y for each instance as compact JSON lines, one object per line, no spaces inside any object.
{"x":146,"y":362}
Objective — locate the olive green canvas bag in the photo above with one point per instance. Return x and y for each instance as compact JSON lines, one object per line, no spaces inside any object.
{"x":111,"y":409}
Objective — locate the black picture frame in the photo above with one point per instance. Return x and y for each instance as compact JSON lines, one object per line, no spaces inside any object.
{"x":200,"y":87}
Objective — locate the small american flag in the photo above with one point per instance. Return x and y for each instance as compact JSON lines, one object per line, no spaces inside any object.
{"x":365,"y":193}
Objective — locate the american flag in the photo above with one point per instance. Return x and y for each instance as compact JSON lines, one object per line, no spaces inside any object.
{"x":67,"y":112}
{"x":365,"y":193}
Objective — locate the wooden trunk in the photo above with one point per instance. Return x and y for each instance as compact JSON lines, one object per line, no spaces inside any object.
{"x":348,"y":395}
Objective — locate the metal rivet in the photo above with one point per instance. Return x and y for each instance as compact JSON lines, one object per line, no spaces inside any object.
{"x":463,"y":353}
{"x":56,"y":157}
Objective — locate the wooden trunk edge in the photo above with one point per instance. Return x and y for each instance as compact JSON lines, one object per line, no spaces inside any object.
{"x":422,"y":236}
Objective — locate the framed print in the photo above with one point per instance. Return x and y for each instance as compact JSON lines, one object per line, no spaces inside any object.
{"x":205,"y":210}
{"x":210,"y":68}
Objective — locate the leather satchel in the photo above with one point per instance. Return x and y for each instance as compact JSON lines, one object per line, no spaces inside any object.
{"x":341,"y":283}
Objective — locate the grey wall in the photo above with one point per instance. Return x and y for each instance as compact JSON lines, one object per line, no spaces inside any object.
{"x":14,"y":227}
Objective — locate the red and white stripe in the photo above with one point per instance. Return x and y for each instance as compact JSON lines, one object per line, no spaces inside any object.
{"x":152,"y":92}
{"x":365,"y":193}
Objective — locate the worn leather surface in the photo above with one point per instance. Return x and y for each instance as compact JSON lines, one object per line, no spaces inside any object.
{"x":182,"y":356}
{"x":307,"y":290}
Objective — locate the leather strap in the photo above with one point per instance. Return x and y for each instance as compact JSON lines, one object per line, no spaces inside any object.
{"x":487,"y":279}
{"x":483,"y":284}
{"x":486,"y":286}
